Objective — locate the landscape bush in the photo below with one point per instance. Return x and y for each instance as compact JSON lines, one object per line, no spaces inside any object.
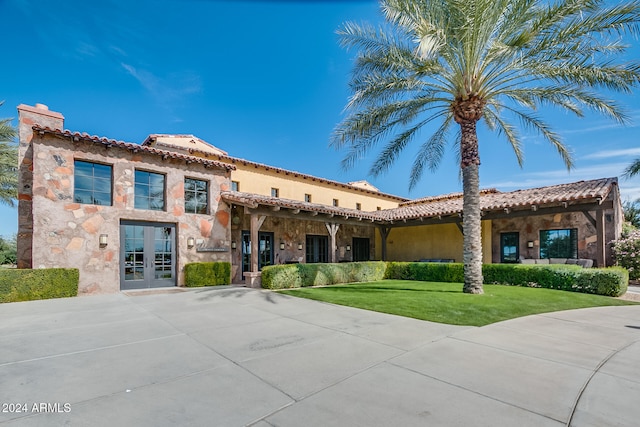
{"x":602,"y":281}
{"x":302,"y":275}
{"x":626,"y":253}
{"x":207,"y":274}
{"x":26,"y":284}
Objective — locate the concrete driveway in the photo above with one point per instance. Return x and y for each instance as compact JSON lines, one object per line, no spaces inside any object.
{"x":237,"y":356}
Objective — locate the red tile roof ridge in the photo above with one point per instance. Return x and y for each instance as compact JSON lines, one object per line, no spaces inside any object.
{"x":130,"y":146}
{"x":439,"y":197}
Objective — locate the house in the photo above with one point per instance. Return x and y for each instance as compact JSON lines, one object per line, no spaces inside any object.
{"x":132,"y":215}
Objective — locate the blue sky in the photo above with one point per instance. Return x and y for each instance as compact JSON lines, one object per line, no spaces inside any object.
{"x":263,"y":80}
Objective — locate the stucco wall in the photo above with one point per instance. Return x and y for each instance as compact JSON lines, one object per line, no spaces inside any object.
{"x":65,"y":233}
{"x":429,"y":242}
{"x":260,"y":181}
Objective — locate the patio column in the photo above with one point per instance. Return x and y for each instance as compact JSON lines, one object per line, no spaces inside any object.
{"x":332,"y":228}
{"x":256,"y":223}
{"x":600,"y":242}
{"x":384,"y":233}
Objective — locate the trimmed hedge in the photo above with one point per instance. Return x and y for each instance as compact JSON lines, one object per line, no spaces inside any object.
{"x":302,"y":275}
{"x":602,"y":281}
{"x":26,"y":284}
{"x":207,"y":274}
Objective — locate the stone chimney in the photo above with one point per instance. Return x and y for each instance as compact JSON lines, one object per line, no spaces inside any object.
{"x":28,"y":117}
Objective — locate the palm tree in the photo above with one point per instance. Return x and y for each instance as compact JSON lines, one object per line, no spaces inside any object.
{"x":457,"y":62}
{"x":633,"y":169}
{"x":8,"y":163}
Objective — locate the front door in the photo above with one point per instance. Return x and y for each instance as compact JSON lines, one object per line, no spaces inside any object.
{"x":360,"y":249}
{"x":317,"y":249}
{"x":265,"y":250}
{"x":509,"y":247}
{"x":148,"y":256}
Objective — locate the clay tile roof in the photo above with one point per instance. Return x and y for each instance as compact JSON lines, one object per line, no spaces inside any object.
{"x":493,"y":200}
{"x":250,"y":199}
{"x":165,"y":154}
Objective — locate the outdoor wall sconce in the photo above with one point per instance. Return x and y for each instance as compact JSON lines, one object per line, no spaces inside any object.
{"x":299,"y":246}
{"x":191,"y":242}
{"x":103,"y":240}
{"x":281,"y":245}
{"x":529,"y":244}
{"x":233,"y":244}
{"x":348,"y":248}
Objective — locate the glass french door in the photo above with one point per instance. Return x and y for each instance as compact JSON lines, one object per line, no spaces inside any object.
{"x":509,"y":247}
{"x":360,"y":248}
{"x":317,"y":249}
{"x":147,"y":258}
{"x":265,"y":250}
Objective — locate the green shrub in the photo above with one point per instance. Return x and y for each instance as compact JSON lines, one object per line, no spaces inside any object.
{"x":626,"y":252}
{"x":207,"y":274}
{"x":425,"y":271}
{"x":302,"y":275}
{"x":26,"y":285}
{"x":601,"y":281}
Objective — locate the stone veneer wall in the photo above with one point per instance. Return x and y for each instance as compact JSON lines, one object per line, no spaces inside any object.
{"x":291,"y":232}
{"x":66,"y":234}
{"x":529,"y":229}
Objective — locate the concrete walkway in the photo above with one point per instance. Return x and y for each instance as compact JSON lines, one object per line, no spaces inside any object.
{"x":236,"y":356}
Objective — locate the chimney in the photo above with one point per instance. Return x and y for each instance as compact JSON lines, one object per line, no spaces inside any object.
{"x":29,"y":116}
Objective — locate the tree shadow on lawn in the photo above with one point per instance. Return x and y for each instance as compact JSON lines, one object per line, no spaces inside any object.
{"x":365,"y":288}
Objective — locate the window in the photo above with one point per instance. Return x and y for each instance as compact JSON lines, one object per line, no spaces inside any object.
{"x":196,"y":196}
{"x":378,"y":208}
{"x":149,"y":191}
{"x":307,"y":198}
{"x":235,"y":186}
{"x":92,"y":183}
{"x":358,"y":206}
{"x":335,"y":202}
{"x":509,"y":247}
{"x":275,"y":192}
{"x":559,"y":243}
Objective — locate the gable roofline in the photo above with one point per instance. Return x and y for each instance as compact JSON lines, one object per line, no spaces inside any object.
{"x":133,"y":147}
{"x":295,"y":174}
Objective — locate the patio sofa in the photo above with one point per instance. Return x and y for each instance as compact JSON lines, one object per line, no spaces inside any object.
{"x":582,"y":262}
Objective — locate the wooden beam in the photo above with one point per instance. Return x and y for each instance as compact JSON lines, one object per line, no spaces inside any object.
{"x":332,"y":228}
{"x":384,"y":233}
{"x":590,"y":218}
{"x":600,"y":242}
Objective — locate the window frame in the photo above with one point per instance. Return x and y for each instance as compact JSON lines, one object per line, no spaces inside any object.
{"x":195,"y":192}
{"x":148,"y":184}
{"x":235,"y":185}
{"x":93,"y":181}
{"x":573,"y":244}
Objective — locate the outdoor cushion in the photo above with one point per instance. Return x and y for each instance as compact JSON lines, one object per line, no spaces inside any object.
{"x":572,"y":261}
{"x":557,"y":260}
{"x":528,"y":261}
{"x":542,"y":261}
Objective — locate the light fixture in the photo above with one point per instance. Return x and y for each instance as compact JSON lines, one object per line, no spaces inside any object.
{"x":348,"y":248}
{"x":191,"y":242}
{"x":233,"y":244}
{"x":103,"y":240}
{"x":281,"y":245}
{"x":299,"y":246}
{"x":530,"y":244}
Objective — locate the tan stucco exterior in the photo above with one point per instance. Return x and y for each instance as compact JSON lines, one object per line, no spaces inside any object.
{"x":442,"y":241}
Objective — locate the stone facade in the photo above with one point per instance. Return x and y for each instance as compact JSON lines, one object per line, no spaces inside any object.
{"x":292,"y":233}
{"x":66,"y":234}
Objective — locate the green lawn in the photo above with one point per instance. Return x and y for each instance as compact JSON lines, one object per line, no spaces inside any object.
{"x":445,"y":302}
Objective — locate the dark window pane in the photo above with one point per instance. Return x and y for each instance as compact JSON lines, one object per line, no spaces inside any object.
{"x":92,"y":183}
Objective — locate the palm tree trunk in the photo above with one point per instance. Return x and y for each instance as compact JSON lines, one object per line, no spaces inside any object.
{"x":471,"y":226}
